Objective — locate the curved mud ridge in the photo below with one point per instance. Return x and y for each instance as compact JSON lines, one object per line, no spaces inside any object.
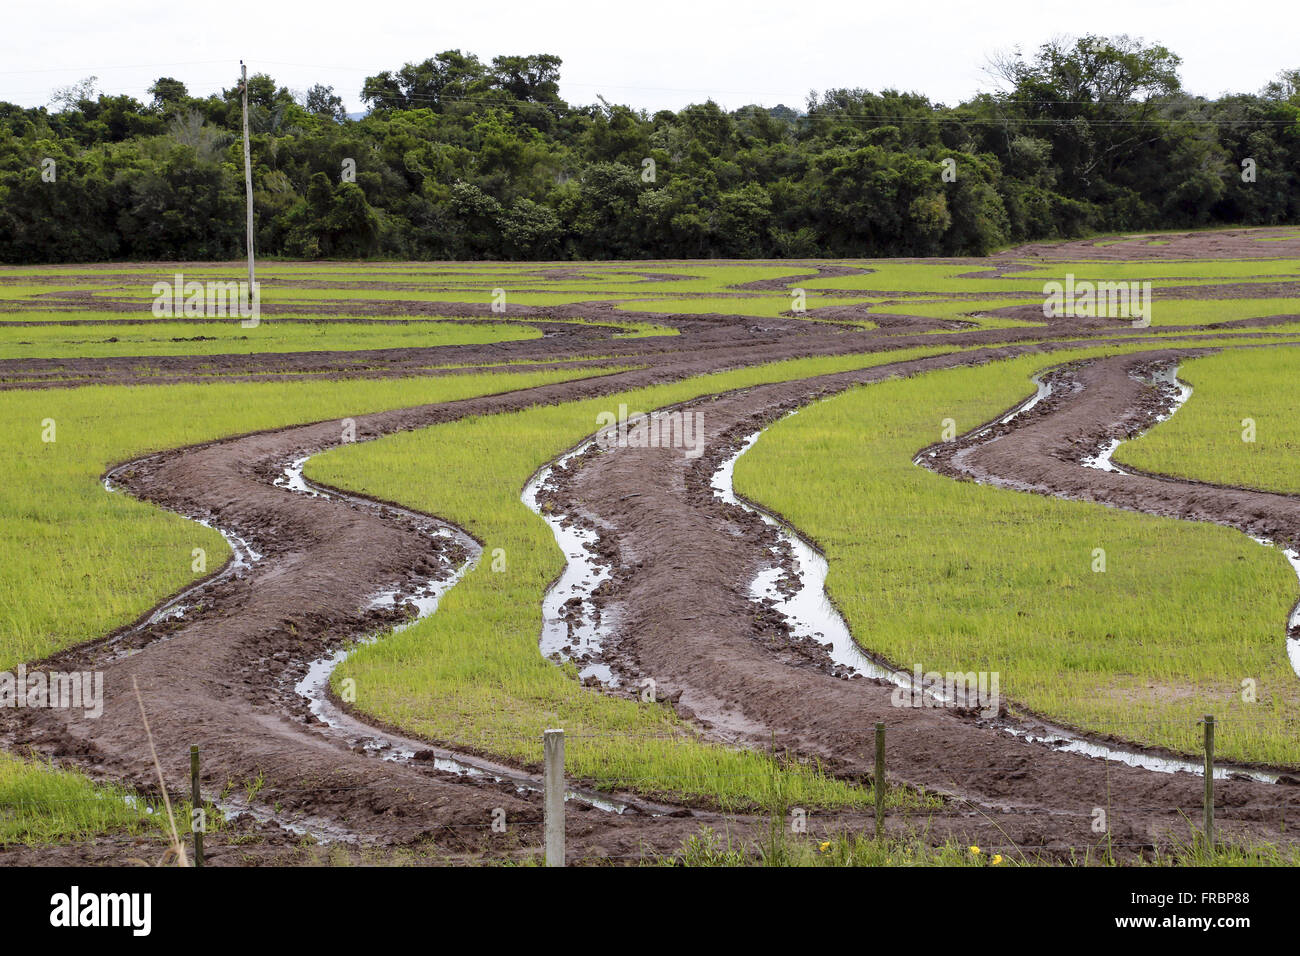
{"x":1094,"y":407}
{"x":711,"y":340}
{"x":686,"y":618}
{"x":224,"y":674}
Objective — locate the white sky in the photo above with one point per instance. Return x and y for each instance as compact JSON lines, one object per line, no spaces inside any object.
{"x":658,"y":54}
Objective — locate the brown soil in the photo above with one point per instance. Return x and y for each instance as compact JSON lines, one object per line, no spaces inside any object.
{"x":1091,"y":404}
{"x":719,"y":340}
{"x":686,"y":619}
{"x":1222,"y":244}
{"x":784,"y":282}
{"x":223,"y":675}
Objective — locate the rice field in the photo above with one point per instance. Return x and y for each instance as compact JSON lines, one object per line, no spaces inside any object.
{"x":973,"y":578}
{"x":1241,"y":425}
{"x":928,"y":571}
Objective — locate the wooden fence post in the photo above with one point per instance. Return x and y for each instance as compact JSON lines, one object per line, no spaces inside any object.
{"x":553,"y":795}
{"x":198,"y":817}
{"x":878,"y":783}
{"x":1209,"y":784}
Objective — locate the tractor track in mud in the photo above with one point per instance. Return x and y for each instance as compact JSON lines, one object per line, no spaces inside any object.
{"x":223,"y":674}
{"x":680,"y":561}
{"x":1093,"y":403}
{"x":725,"y":339}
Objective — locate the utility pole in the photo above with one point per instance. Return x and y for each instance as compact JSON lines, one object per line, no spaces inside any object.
{"x":248,"y":179}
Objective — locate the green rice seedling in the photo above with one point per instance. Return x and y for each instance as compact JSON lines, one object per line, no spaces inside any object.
{"x":1241,"y":425}
{"x":471,"y":675}
{"x":956,"y":576}
{"x":43,"y":804}
{"x":79,"y":561}
{"x":226,"y":338}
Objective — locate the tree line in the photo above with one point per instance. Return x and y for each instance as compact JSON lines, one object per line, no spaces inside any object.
{"x":457,"y":158}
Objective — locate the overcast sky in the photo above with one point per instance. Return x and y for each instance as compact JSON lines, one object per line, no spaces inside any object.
{"x":659,"y":54}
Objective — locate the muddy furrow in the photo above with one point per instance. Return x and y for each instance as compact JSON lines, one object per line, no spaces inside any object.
{"x":223,"y":674}
{"x":1092,"y":405}
{"x":712,"y":341}
{"x":681,"y":564}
